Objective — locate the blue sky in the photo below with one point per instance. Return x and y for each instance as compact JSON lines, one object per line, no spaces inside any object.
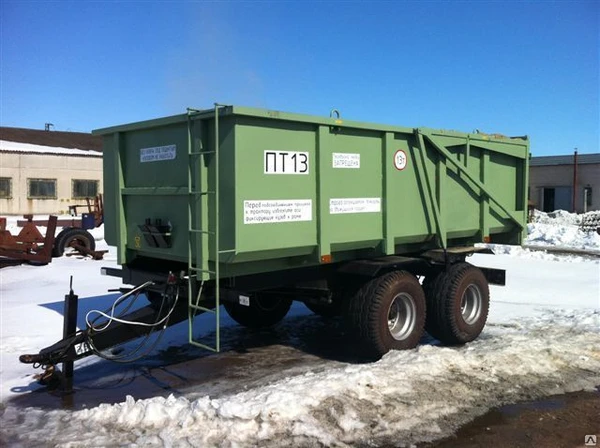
{"x":510,"y":67}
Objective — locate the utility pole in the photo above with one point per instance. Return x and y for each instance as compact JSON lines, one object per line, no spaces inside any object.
{"x":574,"y":206}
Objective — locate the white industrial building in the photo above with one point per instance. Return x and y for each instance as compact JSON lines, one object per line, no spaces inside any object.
{"x":43,"y":172}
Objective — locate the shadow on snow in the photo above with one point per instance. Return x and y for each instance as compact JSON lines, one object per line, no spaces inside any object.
{"x":248,"y":358}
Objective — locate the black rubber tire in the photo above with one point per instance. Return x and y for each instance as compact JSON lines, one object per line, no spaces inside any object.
{"x":264,"y":311}
{"x":70,"y":235}
{"x":324,"y":310}
{"x":445,"y":320}
{"x":57,"y":238}
{"x":368,"y":312}
{"x":428,"y":285}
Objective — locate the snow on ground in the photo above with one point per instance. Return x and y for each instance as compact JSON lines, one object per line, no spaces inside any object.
{"x":561,"y":229}
{"x":558,"y":233}
{"x":556,"y":218}
{"x":283,"y":388}
{"x":569,"y":236}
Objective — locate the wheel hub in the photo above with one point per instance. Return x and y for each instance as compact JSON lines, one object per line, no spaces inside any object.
{"x":471,"y":304}
{"x":402,"y":316}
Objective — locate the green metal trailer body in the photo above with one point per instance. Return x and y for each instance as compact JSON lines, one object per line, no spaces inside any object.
{"x":265,"y":191}
{"x":252,"y":209}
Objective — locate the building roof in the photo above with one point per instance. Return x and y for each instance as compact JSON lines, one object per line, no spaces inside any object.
{"x":582,"y":159}
{"x":27,"y":148}
{"x":58,"y":139}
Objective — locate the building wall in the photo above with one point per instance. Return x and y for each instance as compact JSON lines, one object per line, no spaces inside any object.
{"x":541,"y":177}
{"x":23,"y":166}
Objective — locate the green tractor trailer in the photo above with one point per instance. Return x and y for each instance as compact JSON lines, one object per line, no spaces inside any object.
{"x":253,"y":209}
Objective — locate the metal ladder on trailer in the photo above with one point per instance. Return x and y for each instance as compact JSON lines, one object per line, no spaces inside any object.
{"x":200,"y":249}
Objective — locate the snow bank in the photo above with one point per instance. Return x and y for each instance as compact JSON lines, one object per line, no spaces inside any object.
{"x":566,"y":236}
{"x":537,"y":254}
{"x":555,"y":231}
{"x":557,"y":218}
{"x":407,"y":397}
{"x":561,"y":229}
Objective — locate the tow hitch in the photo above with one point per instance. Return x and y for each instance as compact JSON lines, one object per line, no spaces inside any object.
{"x":108,"y":329}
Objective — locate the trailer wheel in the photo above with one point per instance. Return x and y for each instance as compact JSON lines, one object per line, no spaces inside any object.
{"x":264,"y":310}
{"x":72,"y":235}
{"x":458,"y":301}
{"x":387,"y":313}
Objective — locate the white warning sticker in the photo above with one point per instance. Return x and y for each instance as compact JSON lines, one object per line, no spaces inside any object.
{"x":354,"y":205}
{"x":400,"y":160}
{"x":345,"y":160}
{"x":158,"y":153}
{"x":280,"y":210}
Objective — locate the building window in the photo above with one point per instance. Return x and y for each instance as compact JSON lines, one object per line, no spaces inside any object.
{"x":41,"y":188}
{"x":84,"y":188}
{"x":5,"y":187}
